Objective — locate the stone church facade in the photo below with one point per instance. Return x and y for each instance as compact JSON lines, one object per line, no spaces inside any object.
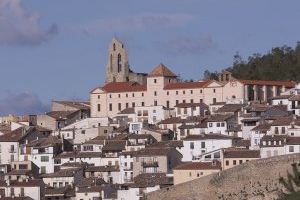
{"x":118,"y":69}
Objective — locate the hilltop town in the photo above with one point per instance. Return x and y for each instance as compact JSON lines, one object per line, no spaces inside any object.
{"x":144,"y":132}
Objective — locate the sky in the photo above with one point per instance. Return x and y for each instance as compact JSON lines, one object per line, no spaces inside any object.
{"x":57,"y":49}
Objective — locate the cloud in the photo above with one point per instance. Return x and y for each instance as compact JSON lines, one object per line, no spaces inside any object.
{"x":22,"y":104}
{"x":21,"y":27}
{"x":188,"y":45}
{"x":149,"y":21}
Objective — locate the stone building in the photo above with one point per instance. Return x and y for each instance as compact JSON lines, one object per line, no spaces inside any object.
{"x":118,"y":69}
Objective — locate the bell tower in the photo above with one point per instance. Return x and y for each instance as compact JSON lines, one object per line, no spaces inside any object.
{"x":117,"y":68}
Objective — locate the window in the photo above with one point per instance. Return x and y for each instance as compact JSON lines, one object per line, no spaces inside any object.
{"x":291,"y":148}
{"x":201,"y":91}
{"x":142,"y":94}
{"x":110,"y":107}
{"x":190,"y":174}
{"x":218,"y":124}
{"x":155,"y":103}
{"x":82,"y":131}
{"x":192,"y":100}
{"x":202,"y":145}
{"x":155,"y":93}
{"x":22,"y":192}
{"x":168,"y":104}
{"x":55,"y":184}
{"x":98,"y":96}
{"x":222,"y":124}
{"x":241,"y":161}
{"x":12,"y":158}
{"x":227,"y":162}
{"x":132,"y":94}
{"x":282,"y":130}
{"x":133,"y":104}
{"x":61,"y":184}
{"x":168,"y":93}
{"x":183,"y":101}
{"x":201,"y":100}
{"x":119,"y":106}
{"x":143,"y":103}
{"x":44,"y":159}
{"x":99,"y":107}
{"x":183,"y":92}
{"x":126,"y":95}
{"x":177,"y":101}
{"x":119,"y":95}
{"x":192,"y":145}
{"x":198,"y":175}
{"x":12,"y":191}
{"x":210,"y":124}
{"x":155,"y":80}
{"x":276,"y":130}
{"x":43,"y":170}
{"x":234,"y":162}
{"x":127,"y":105}
{"x":214,"y":90}
{"x":191,"y":91}
{"x":214,"y":100}
{"x":176,"y":92}
{"x":185,"y":111}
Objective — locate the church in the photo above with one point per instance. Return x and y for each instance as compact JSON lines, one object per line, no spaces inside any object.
{"x":161,"y":87}
{"x":118,"y":68}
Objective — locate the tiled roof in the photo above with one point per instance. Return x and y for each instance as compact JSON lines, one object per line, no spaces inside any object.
{"x":211,"y":136}
{"x":161,"y":70}
{"x":172,"y":120}
{"x":114,"y":145}
{"x":15,"y":136}
{"x":281,"y":97}
{"x":127,"y":111}
{"x":67,"y":191}
{"x":24,"y":183}
{"x":282,"y":121}
{"x":241,"y":153}
{"x":165,"y":144}
{"x":218,"y":118}
{"x":62,"y":173}
{"x":92,"y":181}
{"x":151,"y":179}
{"x":79,"y":155}
{"x":262,"y":127}
{"x":154,"y":151}
{"x":45,"y":142}
{"x":189,"y":105}
{"x":199,"y":166}
{"x":60,"y":114}
{"x":75,"y":104}
{"x":289,"y":84}
{"x":230,"y":108}
{"x":106,"y":168}
{"x":123,"y":87}
{"x":186,"y":85}
{"x":243,"y":143}
{"x":293,"y":141}
{"x":20,"y":172}
{"x":295,"y":98}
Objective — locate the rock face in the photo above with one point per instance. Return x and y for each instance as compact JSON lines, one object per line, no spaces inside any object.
{"x":254,"y":180}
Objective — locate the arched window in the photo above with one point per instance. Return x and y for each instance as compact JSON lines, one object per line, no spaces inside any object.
{"x":110,"y":62}
{"x":114,"y":46}
{"x":119,"y":63}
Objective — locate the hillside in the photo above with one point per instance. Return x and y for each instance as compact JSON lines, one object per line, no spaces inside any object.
{"x":281,"y":63}
{"x":255,"y":180}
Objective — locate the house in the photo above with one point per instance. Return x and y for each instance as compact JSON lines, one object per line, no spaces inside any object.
{"x":33,"y":188}
{"x":196,"y":145}
{"x":192,"y":170}
{"x":110,"y":174}
{"x":220,"y":123}
{"x":155,"y":160}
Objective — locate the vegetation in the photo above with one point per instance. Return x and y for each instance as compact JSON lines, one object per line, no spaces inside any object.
{"x":281,"y":63}
{"x":291,"y":184}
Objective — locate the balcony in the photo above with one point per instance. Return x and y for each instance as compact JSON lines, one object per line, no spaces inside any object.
{"x":150,"y":164}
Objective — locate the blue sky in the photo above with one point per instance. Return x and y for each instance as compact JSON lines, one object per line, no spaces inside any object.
{"x":57,"y":49}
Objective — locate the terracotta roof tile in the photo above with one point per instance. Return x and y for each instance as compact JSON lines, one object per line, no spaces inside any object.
{"x":123,"y":87}
{"x":289,"y":84}
{"x":161,"y":70}
{"x":199,"y":166}
{"x":241,"y":153}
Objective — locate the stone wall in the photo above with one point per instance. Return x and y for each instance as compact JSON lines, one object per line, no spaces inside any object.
{"x":254,"y":180}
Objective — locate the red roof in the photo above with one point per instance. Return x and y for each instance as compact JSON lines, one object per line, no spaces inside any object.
{"x":288,"y":84}
{"x":162,"y":70}
{"x":199,"y":166}
{"x":186,"y":85}
{"x":124,"y":87}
